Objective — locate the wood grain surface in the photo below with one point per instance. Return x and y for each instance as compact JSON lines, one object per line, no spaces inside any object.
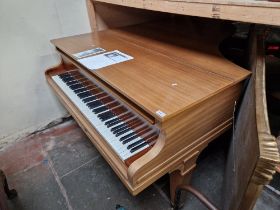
{"x":175,"y":66}
{"x":182,"y":74}
{"x":253,"y":153}
{"x":252,"y":11}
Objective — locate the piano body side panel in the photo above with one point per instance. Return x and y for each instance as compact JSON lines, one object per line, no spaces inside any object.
{"x":105,"y":150}
{"x":183,"y":137}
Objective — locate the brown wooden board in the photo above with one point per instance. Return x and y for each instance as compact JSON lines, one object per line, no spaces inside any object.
{"x":253,"y":152}
{"x":243,"y":153}
{"x":253,"y":11}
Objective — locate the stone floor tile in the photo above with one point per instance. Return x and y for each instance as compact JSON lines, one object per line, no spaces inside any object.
{"x":21,"y":155}
{"x":69,"y":150}
{"x":267,"y":201}
{"x":37,"y":190}
{"x":91,"y":184}
{"x":95,"y":186}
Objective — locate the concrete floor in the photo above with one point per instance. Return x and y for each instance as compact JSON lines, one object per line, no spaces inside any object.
{"x":60,"y":169}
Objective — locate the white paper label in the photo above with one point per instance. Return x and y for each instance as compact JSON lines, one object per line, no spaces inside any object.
{"x":89,"y":52}
{"x":160,"y":113}
{"x":104,"y":59}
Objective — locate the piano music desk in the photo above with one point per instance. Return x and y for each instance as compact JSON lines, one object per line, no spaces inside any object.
{"x":182,"y":74}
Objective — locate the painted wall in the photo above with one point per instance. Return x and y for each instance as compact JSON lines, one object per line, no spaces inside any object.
{"x":26,"y":101}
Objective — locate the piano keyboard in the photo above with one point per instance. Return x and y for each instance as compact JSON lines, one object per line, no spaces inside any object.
{"x":122,"y":129}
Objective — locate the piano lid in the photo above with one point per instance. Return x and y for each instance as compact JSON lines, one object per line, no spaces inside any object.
{"x":168,"y":74}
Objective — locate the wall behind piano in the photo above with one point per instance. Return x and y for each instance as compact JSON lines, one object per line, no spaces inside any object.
{"x":26,"y":102}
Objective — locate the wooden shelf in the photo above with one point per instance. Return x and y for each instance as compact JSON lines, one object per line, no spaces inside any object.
{"x":252,"y":11}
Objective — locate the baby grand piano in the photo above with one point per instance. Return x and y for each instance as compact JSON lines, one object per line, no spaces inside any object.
{"x":154,"y":114}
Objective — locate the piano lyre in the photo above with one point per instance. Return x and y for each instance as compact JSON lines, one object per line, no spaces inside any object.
{"x":154,"y":114}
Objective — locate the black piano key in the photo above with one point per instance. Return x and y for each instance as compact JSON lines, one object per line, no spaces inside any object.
{"x":72,"y":82}
{"x":76,"y":86}
{"x":134,"y":137}
{"x":68,"y":79}
{"x":64,"y":75}
{"x":135,"y":134}
{"x":134,"y":149}
{"x":128,"y":136}
{"x":100,"y":109}
{"x":122,"y":131}
{"x":84,"y":94}
{"x":113,"y":122}
{"x":118,"y":127}
{"x":94,"y":104}
{"x":106,"y":115}
{"x":92,"y":98}
{"x":121,"y":118}
{"x":129,"y":122}
{"x":139,"y":131}
{"x":80,"y":90}
{"x":118,"y":131}
{"x":135,"y":144}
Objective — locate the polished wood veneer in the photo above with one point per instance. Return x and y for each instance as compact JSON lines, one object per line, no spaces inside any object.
{"x":181,"y":74}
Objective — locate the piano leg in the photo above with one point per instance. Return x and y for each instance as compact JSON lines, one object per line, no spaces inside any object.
{"x":183,"y":174}
{"x":176,"y":179}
